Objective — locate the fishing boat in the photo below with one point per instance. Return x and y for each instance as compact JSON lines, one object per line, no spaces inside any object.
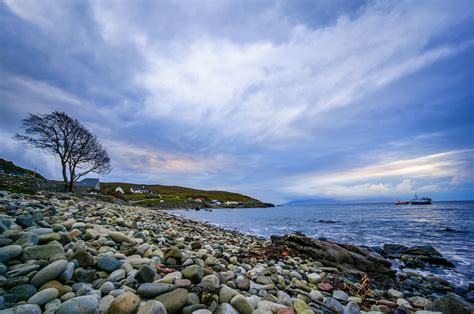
{"x":398,"y":202}
{"x":421,"y":201}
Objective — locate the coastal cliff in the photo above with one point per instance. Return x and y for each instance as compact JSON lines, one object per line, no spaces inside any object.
{"x":62,"y":253}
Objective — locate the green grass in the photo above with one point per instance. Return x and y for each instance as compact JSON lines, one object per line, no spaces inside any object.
{"x":177,"y":194}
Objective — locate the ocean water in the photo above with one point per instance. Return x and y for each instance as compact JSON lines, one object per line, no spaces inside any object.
{"x":365,"y":224}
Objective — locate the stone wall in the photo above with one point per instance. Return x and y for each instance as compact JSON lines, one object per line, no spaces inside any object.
{"x":28,"y":184}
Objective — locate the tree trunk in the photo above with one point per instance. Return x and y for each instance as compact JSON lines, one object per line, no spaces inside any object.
{"x":65,"y":180}
{"x":71,"y":179}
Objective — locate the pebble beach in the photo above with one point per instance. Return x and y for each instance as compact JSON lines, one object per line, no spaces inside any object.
{"x":63,"y":253}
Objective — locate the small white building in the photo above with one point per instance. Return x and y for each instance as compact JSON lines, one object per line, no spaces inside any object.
{"x":139,"y":190}
{"x":119,"y":190}
{"x":232,"y":203}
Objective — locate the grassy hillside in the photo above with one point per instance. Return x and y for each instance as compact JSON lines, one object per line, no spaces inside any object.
{"x":162,"y":195}
{"x":10,"y":167}
{"x":175,"y":194}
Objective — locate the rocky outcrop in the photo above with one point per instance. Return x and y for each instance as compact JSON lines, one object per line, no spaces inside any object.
{"x":451,"y":304}
{"x":342,"y":256}
{"x":416,"y":256}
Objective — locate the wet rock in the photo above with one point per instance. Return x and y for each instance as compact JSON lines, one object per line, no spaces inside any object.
{"x":226,"y":308}
{"x":416,"y":255}
{"x":340,"y":295}
{"x":46,"y":251}
{"x":174,"y":300}
{"x":325,"y":286}
{"x":182,"y":283}
{"x":470,"y":296}
{"x":21,"y":270}
{"x":23,"y":292}
{"x":192,"y":299}
{"x":419,"y":302}
{"x":152,"y":307}
{"x":84,"y":304}
{"x":24,"y":221}
{"x":241,"y":304}
{"x":151,"y":290}
{"x":48,"y":273}
{"x":314,"y":278}
{"x":105,"y":303}
{"x":27,"y":239}
{"x":108,"y":263}
{"x":120,"y":237}
{"x":194,"y":273}
{"x":285,"y":299}
{"x":192,"y":308}
{"x":106,"y":287}
{"x":10,"y":251}
{"x":243,"y":284}
{"x":196,"y":245}
{"x":57,"y":285}
{"x":85,"y":275}
{"x":226,"y":294}
{"x":48,"y":237}
{"x":202,"y":311}
{"x":264,"y":280}
{"x":84,"y":258}
{"x":331,"y":302}
{"x":23,"y":309}
{"x":301,"y":307}
{"x":451,"y":304}
{"x":125,"y":303}
{"x":145,"y":274}
{"x":117,"y":275}
{"x":44,"y":296}
{"x":66,"y":275}
{"x":210,"y":282}
{"x":386,"y":303}
{"x":342,"y":256}
{"x":352,"y":308}
{"x":395,"y":293}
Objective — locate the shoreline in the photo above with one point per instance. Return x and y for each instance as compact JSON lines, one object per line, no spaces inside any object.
{"x":114,"y":257}
{"x":443,"y":240}
{"x":428,"y":270}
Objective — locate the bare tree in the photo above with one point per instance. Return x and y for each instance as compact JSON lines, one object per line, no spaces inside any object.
{"x":79,"y":151}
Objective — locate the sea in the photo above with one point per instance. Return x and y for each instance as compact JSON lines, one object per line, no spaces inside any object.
{"x":447,"y":226}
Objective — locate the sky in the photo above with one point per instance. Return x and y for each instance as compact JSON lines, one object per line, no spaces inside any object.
{"x":280,"y":100}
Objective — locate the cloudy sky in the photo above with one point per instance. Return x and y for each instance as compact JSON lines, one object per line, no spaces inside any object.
{"x":277,"y":99}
